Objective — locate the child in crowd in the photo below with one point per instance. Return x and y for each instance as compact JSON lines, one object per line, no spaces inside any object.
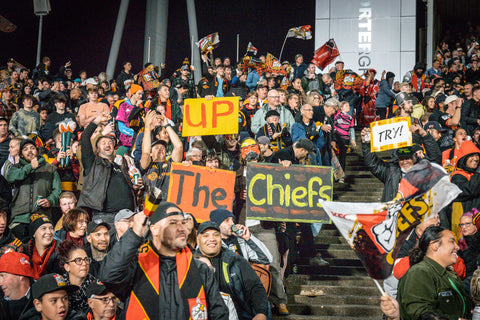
{"x":344,"y":133}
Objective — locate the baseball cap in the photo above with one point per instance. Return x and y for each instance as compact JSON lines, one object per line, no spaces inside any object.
{"x":16,"y":263}
{"x":25,"y":142}
{"x":160,"y":141}
{"x":50,"y":283}
{"x":161,"y":212}
{"x":207,"y":225}
{"x":433,"y":125}
{"x":95,"y":223}
{"x":96,"y":288}
{"x":124,"y":214}
{"x":450,"y":99}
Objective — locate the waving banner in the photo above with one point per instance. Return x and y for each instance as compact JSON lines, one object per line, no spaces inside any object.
{"x":376,"y":231}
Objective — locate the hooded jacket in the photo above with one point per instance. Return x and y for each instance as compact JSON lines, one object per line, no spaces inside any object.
{"x":466,"y":179}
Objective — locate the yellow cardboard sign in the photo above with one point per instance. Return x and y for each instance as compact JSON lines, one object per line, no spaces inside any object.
{"x":203,"y":117}
{"x":390,"y":134}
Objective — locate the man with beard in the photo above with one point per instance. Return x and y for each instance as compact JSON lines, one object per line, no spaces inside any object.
{"x":183,"y":287}
{"x":37,"y":188}
{"x":107,"y":187}
{"x":98,"y":238}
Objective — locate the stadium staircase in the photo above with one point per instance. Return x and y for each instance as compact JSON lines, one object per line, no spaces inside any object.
{"x":343,"y":289}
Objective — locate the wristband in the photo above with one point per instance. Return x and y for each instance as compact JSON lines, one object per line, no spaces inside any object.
{"x":167,"y":125}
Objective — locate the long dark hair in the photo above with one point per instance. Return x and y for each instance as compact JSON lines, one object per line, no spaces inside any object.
{"x":431,"y":234}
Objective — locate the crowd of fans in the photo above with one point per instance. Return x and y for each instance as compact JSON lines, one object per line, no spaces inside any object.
{"x":75,"y":244}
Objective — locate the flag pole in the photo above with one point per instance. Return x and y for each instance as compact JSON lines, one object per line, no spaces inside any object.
{"x":379,"y":286}
{"x":281,"y":51}
{"x":238,"y":45}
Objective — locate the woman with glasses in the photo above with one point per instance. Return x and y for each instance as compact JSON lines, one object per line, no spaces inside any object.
{"x":469,"y":243}
{"x":74,"y":227}
{"x":76,"y":263}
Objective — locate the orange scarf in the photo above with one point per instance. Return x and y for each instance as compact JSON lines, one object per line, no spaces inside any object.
{"x":39,"y":263}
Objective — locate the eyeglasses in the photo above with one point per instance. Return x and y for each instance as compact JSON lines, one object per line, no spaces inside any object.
{"x":308,"y":110}
{"x":466,"y":224}
{"x":79,"y":261}
{"x":106,"y":300}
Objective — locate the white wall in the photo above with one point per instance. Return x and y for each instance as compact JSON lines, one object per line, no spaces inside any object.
{"x":379,"y":34}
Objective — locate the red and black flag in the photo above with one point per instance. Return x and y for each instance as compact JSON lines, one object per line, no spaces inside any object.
{"x":326,"y":54}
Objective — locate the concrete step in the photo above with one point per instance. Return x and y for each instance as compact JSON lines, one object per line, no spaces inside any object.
{"x":332,"y":270}
{"x":333,"y":246}
{"x":336,"y":310}
{"x":339,"y":254}
{"x":335,"y":300}
{"x":320,"y":239}
{"x":344,"y":282}
{"x":334,"y":290}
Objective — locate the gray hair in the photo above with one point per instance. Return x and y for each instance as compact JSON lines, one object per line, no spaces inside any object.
{"x":332,"y":102}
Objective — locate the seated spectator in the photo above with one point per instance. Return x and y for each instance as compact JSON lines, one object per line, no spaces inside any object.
{"x":52,"y":287}
{"x":344,"y":132}
{"x":420,"y":290}
{"x":25,"y":120}
{"x":41,"y":249}
{"x":46,"y":188}
{"x":16,"y":277}
{"x":4,"y":141}
{"x":450,"y":118}
{"x":451,"y":156}
{"x":279,"y":136}
{"x":76,"y":263}
{"x":245,"y":245}
{"x":104,"y":178}
{"x":212,"y":161}
{"x":265,"y":151}
{"x":440,"y":135}
{"x":74,"y":227}
{"x":170,"y":258}
{"x":102,"y":302}
{"x":245,"y":288}
{"x":470,"y":111}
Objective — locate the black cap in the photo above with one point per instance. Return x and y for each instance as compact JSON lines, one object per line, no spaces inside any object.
{"x":50,"y":283}
{"x":25,"y":142}
{"x":405,"y":152}
{"x":161,"y":212}
{"x":305,"y":144}
{"x":433,"y":125}
{"x":95,"y":223}
{"x":207,"y":225}
{"x":96,"y":288}
{"x":272,"y":113}
{"x":159,"y":141}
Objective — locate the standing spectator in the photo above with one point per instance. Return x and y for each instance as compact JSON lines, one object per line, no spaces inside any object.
{"x":25,"y":120}
{"x":435,"y":69}
{"x":472,"y":74}
{"x":90,"y":110}
{"x":124,"y":110}
{"x":470,"y":111}
{"x":234,"y":275}
{"x":185,"y":79}
{"x":172,"y":266}
{"x":385,"y":96}
{"x":57,"y":116}
{"x":13,"y":155}
{"x":416,"y":77}
{"x":32,"y":178}
{"x":67,"y":202}
{"x":345,"y":135}
{"x":104,"y":179}
{"x":299,"y":67}
{"x":311,"y":80}
{"x":172,"y":110}
{"x":124,"y":75}
{"x":7,"y":107}
{"x":286,"y":117}
{"x":305,"y":128}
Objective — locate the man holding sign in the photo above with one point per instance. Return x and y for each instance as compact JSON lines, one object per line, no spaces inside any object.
{"x":390,"y":173}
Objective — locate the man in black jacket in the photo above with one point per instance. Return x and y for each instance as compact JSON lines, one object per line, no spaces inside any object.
{"x":390,"y":173}
{"x":104,"y":179}
{"x":183,"y":288}
{"x":243,"y":285}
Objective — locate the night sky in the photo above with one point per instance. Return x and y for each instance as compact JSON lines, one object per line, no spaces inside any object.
{"x":82,"y":31}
